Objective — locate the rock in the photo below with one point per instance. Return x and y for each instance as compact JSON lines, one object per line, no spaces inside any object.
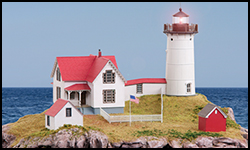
{"x":7,"y":139}
{"x":142,"y":142}
{"x":81,"y":142}
{"x":175,"y":143}
{"x":204,"y":142}
{"x":244,"y":132}
{"x":231,"y":114}
{"x":242,"y":144}
{"x":45,"y":142}
{"x":97,"y":139}
{"x":228,"y":142}
{"x":189,"y":145}
{"x":159,"y":143}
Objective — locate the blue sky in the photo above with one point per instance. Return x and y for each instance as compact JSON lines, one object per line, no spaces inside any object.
{"x":34,"y":34}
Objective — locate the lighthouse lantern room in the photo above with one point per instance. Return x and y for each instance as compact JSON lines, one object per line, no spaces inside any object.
{"x":180,"y":74}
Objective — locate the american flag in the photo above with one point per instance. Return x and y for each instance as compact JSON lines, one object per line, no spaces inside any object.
{"x":134,"y":99}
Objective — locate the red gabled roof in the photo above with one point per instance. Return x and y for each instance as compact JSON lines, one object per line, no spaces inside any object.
{"x":77,"y":87}
{"x":82,"y":68}
{"x":56,"y":107}
{"x":146,"y":80}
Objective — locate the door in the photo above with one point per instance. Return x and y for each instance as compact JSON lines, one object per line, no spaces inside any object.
{"x":83,"y":98}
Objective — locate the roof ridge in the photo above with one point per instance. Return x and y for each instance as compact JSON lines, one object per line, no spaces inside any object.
{"x":90,"y":67}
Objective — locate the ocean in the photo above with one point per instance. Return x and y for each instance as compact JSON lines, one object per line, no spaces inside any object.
{"x":18,"y":102}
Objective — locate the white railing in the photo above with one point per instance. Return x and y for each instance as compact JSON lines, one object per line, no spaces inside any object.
{"x":126,"y":118}
{"x":105,"y":115}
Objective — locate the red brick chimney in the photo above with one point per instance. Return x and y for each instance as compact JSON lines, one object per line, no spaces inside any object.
{"x":99,"y":53}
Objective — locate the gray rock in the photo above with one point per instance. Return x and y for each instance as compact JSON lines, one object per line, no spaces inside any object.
{"x":231,"y":114}
{"x":142,"y":142}
{"x":175,"y":143}
{"x":7,"y":139}
{"x":97,"y":139}
{"x":160,"y":143}
{"x":81,"y":142}
{"x":204,"y":142}
{"x":189,"y":145}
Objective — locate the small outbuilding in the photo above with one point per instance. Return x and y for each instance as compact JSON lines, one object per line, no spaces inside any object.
{"x":212,"y":118}
{"x":62,"y":112}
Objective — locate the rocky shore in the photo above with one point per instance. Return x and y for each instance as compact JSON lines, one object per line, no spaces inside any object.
{"x":67,"y":138}
{"x":95,"y":139}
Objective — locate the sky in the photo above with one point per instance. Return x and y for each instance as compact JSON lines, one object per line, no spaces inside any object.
{"x":34,"y":34}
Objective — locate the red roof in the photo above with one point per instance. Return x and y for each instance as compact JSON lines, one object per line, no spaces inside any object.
{"x":77,"y":87}
{"x":82,"y":68}
{"x":56,"y":107}
{"x":146,"y":80}
{"x":180,"y":14}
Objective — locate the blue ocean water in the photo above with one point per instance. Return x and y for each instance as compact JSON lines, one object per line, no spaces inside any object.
{"x":18,"y":102}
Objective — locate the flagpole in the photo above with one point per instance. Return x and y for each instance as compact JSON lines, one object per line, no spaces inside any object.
{"x":130,"y":112}
{"x":161,"y":105}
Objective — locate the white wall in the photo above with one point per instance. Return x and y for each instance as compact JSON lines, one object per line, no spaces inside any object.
{"x":57,"y":83}
{"x":180,"y":64}
{"x":98,"y":87}
{"x":52,"y":122}
{"x":147,"y":89}
{"x":61,"y":119}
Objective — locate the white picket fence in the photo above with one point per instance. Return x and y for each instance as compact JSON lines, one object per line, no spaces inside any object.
{"x":126,"y":118}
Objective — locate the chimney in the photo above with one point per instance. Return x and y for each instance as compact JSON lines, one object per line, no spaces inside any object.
{"x":99,"y":53}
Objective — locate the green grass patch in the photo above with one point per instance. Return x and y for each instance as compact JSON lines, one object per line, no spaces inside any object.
{"x":46,"y":132}
{"x":189,"y":135}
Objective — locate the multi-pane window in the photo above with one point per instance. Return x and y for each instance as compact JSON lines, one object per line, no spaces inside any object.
{"x":109,"y":96}
{"x":108,"y":77}
{"x":58,"y":92}
{"x":58,"y":75}
{"x":68,"y":112}
{"x":139,"y":88}
{"x":189,"y":87}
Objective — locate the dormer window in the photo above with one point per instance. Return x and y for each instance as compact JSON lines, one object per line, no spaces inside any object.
{"x":58,"y":75}
{"x":108,"y":77}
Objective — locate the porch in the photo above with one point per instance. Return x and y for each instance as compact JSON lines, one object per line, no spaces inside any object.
{"x":78,"y":94}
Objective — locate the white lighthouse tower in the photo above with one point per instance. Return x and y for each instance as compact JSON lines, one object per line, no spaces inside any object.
{"x":180,"y":75}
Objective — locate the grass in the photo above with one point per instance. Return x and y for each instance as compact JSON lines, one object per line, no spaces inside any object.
{"x":180,"y":120}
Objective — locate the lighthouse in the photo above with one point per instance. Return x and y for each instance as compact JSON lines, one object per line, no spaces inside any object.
{"x":180,"y":74}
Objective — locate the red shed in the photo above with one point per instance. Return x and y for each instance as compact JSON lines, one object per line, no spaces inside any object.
{"x":212,"y":118}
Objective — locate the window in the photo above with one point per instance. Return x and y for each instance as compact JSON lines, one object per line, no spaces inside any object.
{"x":215,"y":111}
{"x":139,"y":88}
{"x":189,"y":87}
{"x":58,"y":92}
{"x":48,"y":123}
{"x":108,"y":77}
{"x":108,"y":96}
{"x":172,"y":39}
{"x":58,"y":75}
{"x":68,"y":112}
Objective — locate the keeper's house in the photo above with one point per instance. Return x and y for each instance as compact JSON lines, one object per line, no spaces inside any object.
{"x":89,"y":83}
{"x":212,"y":118}
{"x":94,"y":82}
